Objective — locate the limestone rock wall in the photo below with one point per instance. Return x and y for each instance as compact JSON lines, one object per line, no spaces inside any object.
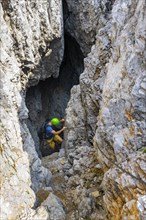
{"x":83,"y":18}
{"x":105,"y":115}
{"x":112,"y":97}
{"x":120,"y":135}
{"x":35,"y":34}
{"x":32,"y":36}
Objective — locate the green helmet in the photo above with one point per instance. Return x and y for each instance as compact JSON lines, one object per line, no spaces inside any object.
{"x":55,"y":121}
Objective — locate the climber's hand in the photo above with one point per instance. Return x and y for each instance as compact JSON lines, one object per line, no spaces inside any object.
{"x":64,"y":128}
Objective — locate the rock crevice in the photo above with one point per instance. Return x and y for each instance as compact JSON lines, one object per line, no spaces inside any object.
{"x":104,"y":175}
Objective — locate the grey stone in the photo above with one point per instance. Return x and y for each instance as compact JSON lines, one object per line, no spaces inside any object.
{"x":27,"y":34}
{"x":112,"y":91}
{"x":55,"y":207}
{"x":105,"y":116}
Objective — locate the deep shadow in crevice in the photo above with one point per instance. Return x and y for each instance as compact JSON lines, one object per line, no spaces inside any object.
{"x":49,"y":98}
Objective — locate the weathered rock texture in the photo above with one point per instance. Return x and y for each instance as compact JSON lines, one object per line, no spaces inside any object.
{"x":49,"y":98}
{"x":35,"y":34}
{"x":32,"y":49}
{"x":83,"y":18}
{"x":111,"y":100}
{"x":105,"y":174}
{"x":120,"y":136}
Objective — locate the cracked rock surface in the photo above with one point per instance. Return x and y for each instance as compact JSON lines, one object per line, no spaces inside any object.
{"x":103,"y":176}
{"x":31,"y":37}
{"x":111,"y":100}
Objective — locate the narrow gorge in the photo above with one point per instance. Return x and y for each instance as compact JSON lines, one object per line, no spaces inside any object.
{"x":85,"y":61}
{"x":49,"y":98}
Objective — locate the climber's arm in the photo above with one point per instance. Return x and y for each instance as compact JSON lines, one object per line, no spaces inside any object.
{"x":58,"y":132}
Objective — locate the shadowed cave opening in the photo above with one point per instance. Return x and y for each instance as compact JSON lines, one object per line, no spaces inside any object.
{"x":49,"y":98}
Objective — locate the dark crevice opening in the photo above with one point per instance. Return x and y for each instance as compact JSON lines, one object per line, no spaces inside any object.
{"x":49,"y":98}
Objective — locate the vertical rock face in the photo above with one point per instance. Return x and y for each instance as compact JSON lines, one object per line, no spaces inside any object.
{"x":83,"y":18}
{"x":120,"y":136}
{"x":112,"y":97}
{"x":34,"y":33}
{"x":32,"y":49}
{"x":106,"y":113}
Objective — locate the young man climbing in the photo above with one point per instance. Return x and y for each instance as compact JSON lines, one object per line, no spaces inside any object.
{"x":52,"y":135}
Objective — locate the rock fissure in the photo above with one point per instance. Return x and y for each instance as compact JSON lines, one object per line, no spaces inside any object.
{"x":49,"y":98}
{"x":83,"y":60}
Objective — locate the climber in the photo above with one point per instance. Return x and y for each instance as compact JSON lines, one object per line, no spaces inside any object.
{"x":52,"y":136}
